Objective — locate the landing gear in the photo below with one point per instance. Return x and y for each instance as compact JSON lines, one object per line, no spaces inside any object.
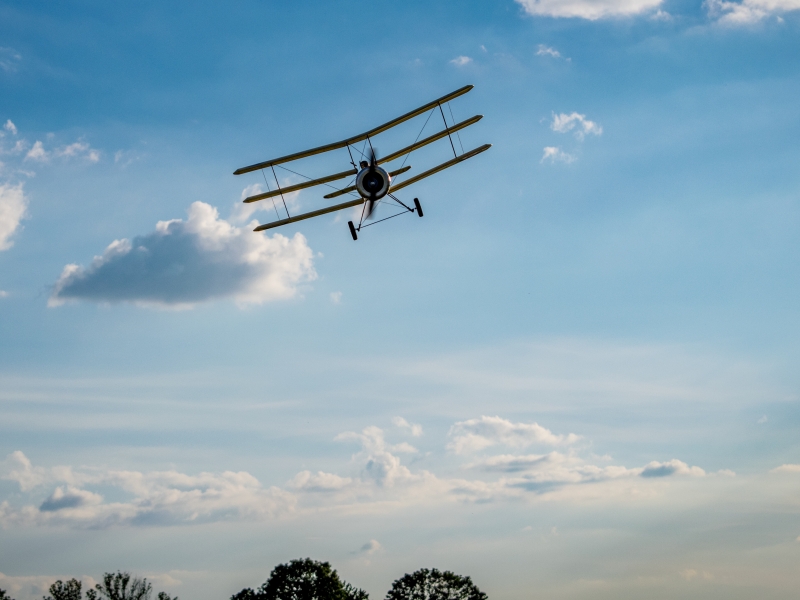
{"x":355,"y":230}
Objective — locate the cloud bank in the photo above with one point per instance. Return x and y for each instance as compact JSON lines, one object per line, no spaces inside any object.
{"x":183,"y":263}
{"x":377,"y":481}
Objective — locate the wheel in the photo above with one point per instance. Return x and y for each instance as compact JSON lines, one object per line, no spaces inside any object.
{"x":419,"y":208}
{"x":352,"y":230}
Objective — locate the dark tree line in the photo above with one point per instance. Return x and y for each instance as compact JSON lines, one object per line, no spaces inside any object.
{"x":115,"y":586}
{"x":301,"y":579}
{"x":306,"y":579}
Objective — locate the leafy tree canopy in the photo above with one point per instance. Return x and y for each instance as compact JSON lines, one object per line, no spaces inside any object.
{"x":303,"y":579}
{"x":432,"y":584}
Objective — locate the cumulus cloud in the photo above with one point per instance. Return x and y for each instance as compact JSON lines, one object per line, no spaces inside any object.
{"x":554,"y":154}
{"x":413,"y":428}
{"x":183,"y":263}
{"x":563,"y":123}
{"x":748,"y":12}
{"x":461,"y":61}
{"x":13,"y":205}
{"x":589,"y":9}
{"x":9,"y":126}
{"x":477,"y":434}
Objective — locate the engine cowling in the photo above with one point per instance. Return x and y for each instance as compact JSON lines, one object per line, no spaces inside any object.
{"x":373,"y":182}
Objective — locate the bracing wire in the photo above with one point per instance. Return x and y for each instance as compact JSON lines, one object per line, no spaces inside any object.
{"x":277,"y":214}
{"x":458,"y":135}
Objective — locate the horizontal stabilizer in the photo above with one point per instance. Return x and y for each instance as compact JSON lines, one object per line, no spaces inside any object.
{"x":358,"y":138}
{"x":309,"y":215}
{"x":431,"y":139}
{"x":352,"y":188}
{"x":441,"y":167}
{"x":301,"y":186}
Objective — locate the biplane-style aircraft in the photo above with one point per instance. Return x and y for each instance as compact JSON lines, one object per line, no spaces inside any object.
{"x":371,"y":183}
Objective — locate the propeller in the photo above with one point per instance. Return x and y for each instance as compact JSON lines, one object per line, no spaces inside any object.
{"x":372,"y":198}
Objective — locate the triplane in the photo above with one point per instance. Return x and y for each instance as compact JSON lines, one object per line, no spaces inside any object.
{"x":372,"y":183}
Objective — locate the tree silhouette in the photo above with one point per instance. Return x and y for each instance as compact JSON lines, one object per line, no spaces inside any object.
{"x":65,"y":591}
{"x":120,"y":586}
{"x":303,"y":579}
{"x":432,"y":584}
{"x":5,"y":596}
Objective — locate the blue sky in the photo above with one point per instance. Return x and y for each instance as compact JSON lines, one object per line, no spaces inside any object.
{"x":574,"y":377}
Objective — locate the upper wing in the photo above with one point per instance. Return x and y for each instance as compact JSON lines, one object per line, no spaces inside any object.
{"x":356,"y":139}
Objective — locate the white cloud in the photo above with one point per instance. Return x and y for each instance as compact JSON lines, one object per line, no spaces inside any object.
{"x":3,"y":294}
{"x":183,"y":263}
{"x":547,"y":51}
{"x":336,"y":297}
{"x":748,"y":11}
{"x":762,"y":420}
{"x":477,"y":434}
{"x":461,"y":61}
{"x":413,"y":428}
{"x":563,"y":123}
{"x":38,"y":153}
{"x":9,"y":126}
{"x":787,"y":468}
{"x":13,"y":205}
{"x":554,"y":154}
{"x":589,"y":9}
